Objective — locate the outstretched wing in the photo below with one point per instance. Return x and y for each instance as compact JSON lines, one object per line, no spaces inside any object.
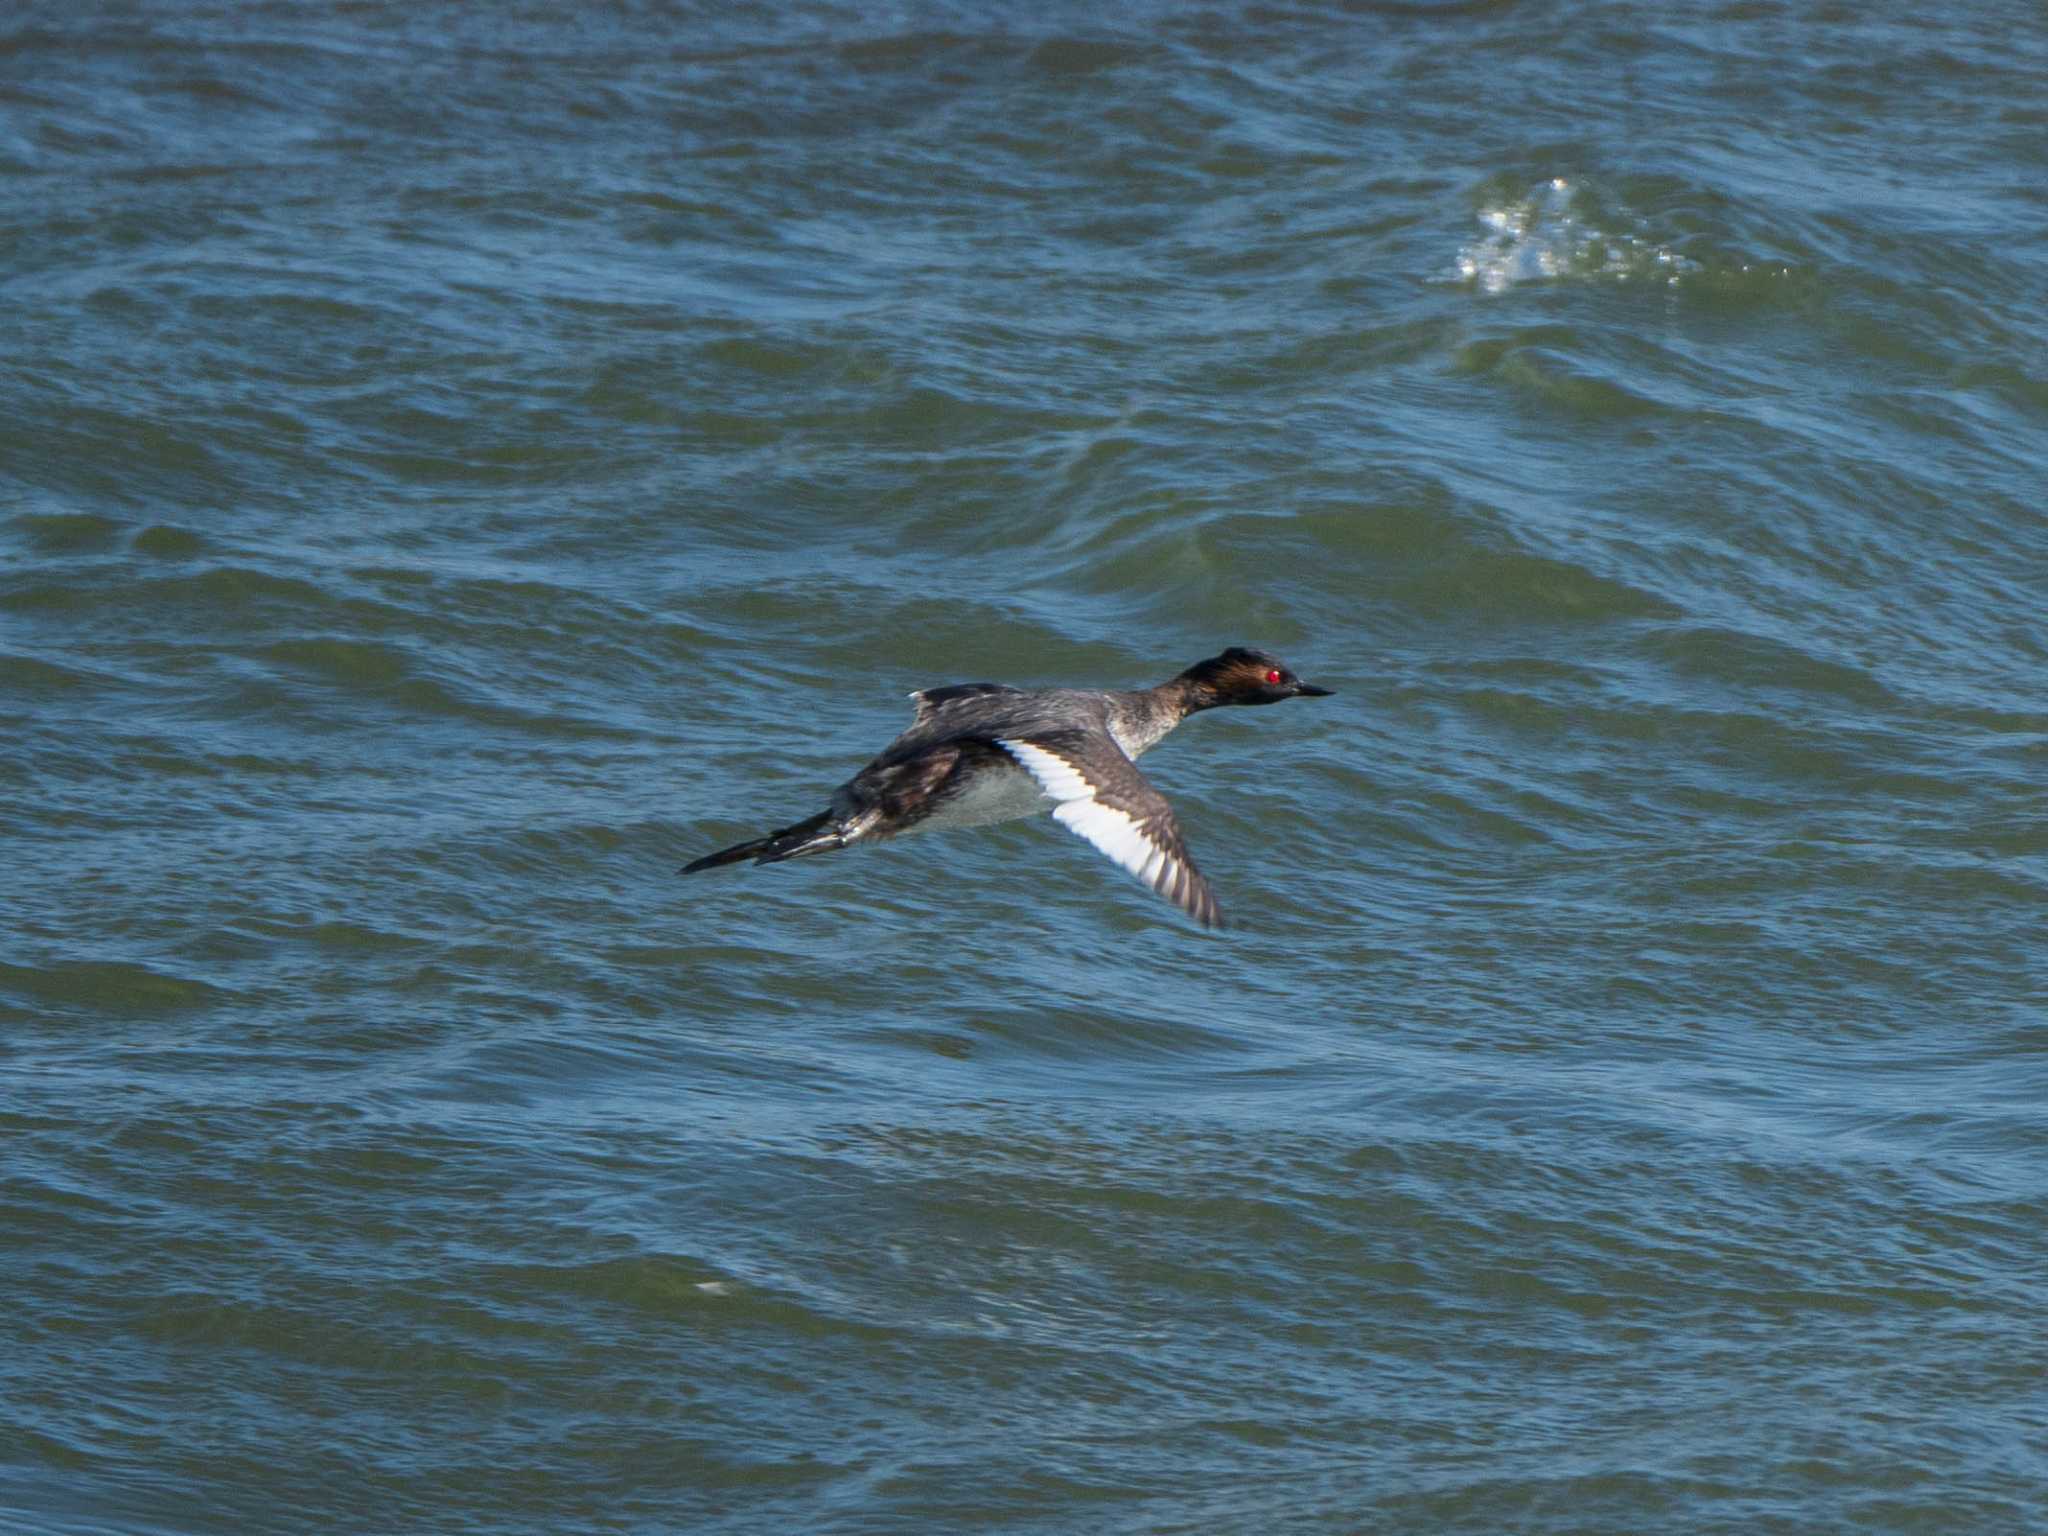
{"x":929,"y":701}
{"x":1102,"y":797}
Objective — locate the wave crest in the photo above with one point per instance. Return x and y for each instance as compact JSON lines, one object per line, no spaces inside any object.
{"x":1548,"y":234}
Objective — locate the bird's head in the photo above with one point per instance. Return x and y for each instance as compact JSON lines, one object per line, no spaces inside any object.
{"x":1245,"y":676}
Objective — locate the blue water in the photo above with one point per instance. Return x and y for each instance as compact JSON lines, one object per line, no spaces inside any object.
{"x":459,"y":464}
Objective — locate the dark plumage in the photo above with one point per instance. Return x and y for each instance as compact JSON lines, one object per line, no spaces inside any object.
{"x":979,"y":753}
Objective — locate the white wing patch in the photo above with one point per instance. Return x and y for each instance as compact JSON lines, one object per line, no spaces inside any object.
{"x":1112,"y":831}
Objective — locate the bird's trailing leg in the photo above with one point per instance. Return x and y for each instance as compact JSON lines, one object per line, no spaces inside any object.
{"x":820,"y":834}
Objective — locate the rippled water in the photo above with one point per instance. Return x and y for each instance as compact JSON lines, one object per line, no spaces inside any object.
{"x":459,"y":463}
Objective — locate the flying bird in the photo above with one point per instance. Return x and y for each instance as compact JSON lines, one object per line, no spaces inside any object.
{"x":980,"y":753}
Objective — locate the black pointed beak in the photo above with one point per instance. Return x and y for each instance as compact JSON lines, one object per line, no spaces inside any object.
{"x":1311,"y":691}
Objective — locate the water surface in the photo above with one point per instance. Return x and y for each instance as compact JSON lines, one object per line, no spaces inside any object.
{"x":458,"y":464}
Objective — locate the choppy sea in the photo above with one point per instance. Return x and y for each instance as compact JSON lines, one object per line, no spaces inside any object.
{"x":458,"y":463}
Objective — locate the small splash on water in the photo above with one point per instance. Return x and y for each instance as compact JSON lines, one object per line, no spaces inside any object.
{"x":1546,"y":235}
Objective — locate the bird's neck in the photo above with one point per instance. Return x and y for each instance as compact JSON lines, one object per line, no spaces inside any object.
{"x":1140,"y":719}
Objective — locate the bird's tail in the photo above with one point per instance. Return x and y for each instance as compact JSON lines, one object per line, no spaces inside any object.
{"x":817,"y":835}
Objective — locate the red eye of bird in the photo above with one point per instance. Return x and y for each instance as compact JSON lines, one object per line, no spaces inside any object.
{"x":1272,"y":677}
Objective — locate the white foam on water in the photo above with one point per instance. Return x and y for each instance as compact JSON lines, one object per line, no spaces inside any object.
{"x":1542,"y":237}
